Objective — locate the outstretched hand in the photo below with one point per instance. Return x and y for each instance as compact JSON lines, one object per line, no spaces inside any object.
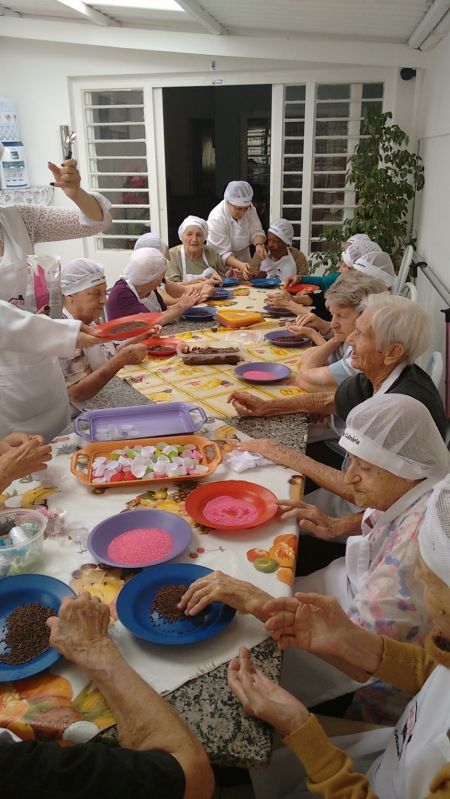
{"x":66,"y":177}
{"x":311,"y":622}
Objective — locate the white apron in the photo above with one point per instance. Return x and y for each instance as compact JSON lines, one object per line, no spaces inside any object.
{"x":186,"y":277}
{"x":17,"y":245}
{"x":283,"y":269}
{"x":150,"y":302}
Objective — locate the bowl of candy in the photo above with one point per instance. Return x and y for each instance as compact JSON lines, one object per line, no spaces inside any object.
{"x":21,"y":540}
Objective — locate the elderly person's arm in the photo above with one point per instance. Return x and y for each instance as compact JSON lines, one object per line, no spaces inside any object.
{"x":144,"y":720}
{"x":90,"y":385}
{"x":313,"y":521}
{"x":314,"y":373}
{"x":219,"y":587}
{"x":21,"y":455}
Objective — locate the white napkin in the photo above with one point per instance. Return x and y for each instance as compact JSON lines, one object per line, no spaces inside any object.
{"x":241,"y":461}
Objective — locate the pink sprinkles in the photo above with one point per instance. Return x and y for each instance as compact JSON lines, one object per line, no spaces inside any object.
{"x":229,"y":511}
{"x":258,"y":374}
{"x":141,"y":545}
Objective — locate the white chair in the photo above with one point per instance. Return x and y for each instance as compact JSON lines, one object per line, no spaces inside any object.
{"x":435,"y":367}
{"x":409,"y":291}
{"x":404,"y":269}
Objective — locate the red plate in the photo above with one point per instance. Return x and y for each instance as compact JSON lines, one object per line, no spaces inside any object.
{"x":261,"y":498}
{"x":127,"y":326}
{"x":303,"y":288}
{"x":169,"y":344}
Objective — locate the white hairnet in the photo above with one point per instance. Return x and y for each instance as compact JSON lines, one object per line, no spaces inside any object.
{"x":80,"y":274}
{"x":397,"y":433}
{"x":144,"y":265}
{"x":357,"y":250}
{"x":151,"y":240}
{"x":238,"y":192}
{"x":377,"y":264}
{"x":434,"y":533}
{"x":283,"y":229}
{"x":193,"y":221}
{"x":357,"y":237}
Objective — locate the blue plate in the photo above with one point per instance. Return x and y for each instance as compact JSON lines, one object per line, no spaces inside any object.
{"x":274,"y":371}
{"x":265,"y":282}
{"x":136,"y":597}
{"x":220,"y":294}
{"x":198,"y":313}
{"x":230,"y":281}
{"x":277,"y":312}
{"x":280,"y":334}
{"x":21,"y":590}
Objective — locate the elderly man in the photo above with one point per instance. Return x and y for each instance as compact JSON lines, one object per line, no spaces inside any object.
{"x":391,"y":333}
{"x":83,"y":285}
{"x":158,"y":756}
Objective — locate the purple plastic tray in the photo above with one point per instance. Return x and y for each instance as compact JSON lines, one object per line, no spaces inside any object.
{"x":140,"y":421}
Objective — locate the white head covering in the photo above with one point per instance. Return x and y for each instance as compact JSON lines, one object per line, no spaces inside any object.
{"x":238,"y":192}
{"x":357,"y":250}
{"x":397,"y":433}
{"x":193,"y":221}
{"x":283,"y":229}
{"x":357,"y":237}
{"x":143,"y":266}
{"x":377,"y":264}
{"x":80,"y":274}
{"x":151,"y":240}
{"x":434,"y":533}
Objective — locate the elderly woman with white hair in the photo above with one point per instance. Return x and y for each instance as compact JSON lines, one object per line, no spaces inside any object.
{"x":83,"y":286}
{"x":408,"y":761}
{"x":153,"y":241}
{"x":233,"y":225}
{"x":193,"y":261}
{"x":282,"y":261}
{"x":140,"y":289}
{"x":396,"y":457}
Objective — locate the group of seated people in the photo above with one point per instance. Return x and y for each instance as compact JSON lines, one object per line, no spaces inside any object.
{"x":378,"y":473}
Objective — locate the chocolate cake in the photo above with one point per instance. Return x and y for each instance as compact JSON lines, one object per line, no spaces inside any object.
{"x":201,"y":356}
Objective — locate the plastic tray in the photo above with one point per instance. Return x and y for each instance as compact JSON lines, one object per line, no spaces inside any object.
{"x":184,"y":350}
{"x":81,"y":463}
{"x":238,"y":319}
{"x":164,"y":419}
{"x":116,"y":329}
{"x":303,"y":288}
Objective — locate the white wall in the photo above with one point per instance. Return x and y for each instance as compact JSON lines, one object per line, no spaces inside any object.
{"x":432,"y":218}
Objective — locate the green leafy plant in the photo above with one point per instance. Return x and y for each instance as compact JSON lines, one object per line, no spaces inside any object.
{"x":385,"y":177}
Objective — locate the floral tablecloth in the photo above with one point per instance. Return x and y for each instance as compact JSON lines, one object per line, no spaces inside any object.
{"x":60,"y":702}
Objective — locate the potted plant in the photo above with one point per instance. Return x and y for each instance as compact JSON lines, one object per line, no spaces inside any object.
{"x":385,"y":176}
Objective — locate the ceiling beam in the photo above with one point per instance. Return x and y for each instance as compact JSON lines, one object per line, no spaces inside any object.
{"x":96,"y":17}
{"x":8,"y":12}
{"x":309,"y":50}
{"x":430,"y":21}
{"x":205,"y":19}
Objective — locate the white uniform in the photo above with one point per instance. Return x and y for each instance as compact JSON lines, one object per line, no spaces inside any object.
{"x":284,"y":268}
{"x":230,"y":236}
{"x":33,"y":395}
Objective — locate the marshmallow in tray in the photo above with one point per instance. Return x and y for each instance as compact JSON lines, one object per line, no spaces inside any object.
{"x":147,"y":462}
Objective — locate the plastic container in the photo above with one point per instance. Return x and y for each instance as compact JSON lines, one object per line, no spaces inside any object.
{"x":140,"y":421}
{"x":243,"y":338}
{"x":238,"y":319}
{"x":15,"y":174}
{"x":82,"y":461}
{"x":205,"y":353}
{"x":22,"y":556}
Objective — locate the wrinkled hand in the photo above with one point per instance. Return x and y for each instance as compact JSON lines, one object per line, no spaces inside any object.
{"x":278,"y":299}
{"x":310,"y":621}
{"x":292,"y":281}
{"x":16,"y":439}
{"x":80,"y":627}
{"x":220,"y":587}
{"x":303,"y":330}
{"x":244,"y":270}
{"x":20,"y":460}
{"x":263,"y":698}
{"x":268,"y":447}
{"x":312,"y":320}
{"x":66,"y":177}
{"x":261,"y":251}
{"x":191,"y":296}
{"x":310,"y":519}
{"x":132,"y":353}
{"x":246,"y":404}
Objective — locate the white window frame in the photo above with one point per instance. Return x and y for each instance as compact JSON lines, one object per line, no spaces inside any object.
{"x":153,"y":85}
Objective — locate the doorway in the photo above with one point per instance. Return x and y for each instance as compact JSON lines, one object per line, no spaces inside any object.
{"x":213,"y":135}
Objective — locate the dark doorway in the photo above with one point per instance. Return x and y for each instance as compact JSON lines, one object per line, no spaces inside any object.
{"x":214,"y":134}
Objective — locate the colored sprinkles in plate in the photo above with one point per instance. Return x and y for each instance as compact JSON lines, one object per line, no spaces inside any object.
{"x":141,"y":545}
{"x":229,"y":511}
{"x":166,"y":600}
{"x":258,"y":374}
{"x":26,"y":634}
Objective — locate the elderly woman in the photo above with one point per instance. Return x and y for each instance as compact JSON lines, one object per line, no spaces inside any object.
{"x":374,"y":262}
{"x":396,"y":457}
{"x":140,"y":289}
{"x":233,"y":225}
{"x":409,"y":761}
{"x":282,"y":261}
{"x":193,"y":261}
{"x":153,"y":241}
{"x":83,"y":285}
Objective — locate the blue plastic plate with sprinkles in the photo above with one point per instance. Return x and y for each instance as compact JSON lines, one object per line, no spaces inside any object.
{"x":134,"y":607}
{"x":199,"y":313}
{"x":265,"y":282}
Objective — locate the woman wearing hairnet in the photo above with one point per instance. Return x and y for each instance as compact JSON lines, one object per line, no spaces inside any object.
{"x":233,"y":225}
{"x":282,"y":261}
{"x":193,"y":261}
{"x":409,"y":761}
{"x":396,"y":457}
{"x":140,"y":289}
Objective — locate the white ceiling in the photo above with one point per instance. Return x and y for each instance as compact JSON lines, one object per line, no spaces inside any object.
{"x":384,"y":21}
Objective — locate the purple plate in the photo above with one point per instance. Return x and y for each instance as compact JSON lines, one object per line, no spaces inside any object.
{"x":263,"y":372}
{"x":198,"y":312}
{"x":109,"y":529}
{"x":276,"y":312}
{"x":277,"y":334}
